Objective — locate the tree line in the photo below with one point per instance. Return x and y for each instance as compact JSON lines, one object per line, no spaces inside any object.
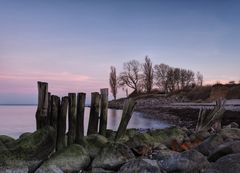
{"x":142,"y":77}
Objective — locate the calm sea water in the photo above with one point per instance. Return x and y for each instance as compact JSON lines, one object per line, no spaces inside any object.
{"x":15,"y":120}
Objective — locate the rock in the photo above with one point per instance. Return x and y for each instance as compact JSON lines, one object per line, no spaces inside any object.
{"x":18,"y":169}
{"x":49,"y":169}
{"x":100,"y":170}
{"x":230,"y":133}
{"x":190,"y":161}
{"x":71,"y":159}
{"x":163,"y":154}
{"x":110,"y":134}
{"x":112,"y":156}
{"x":167,"y":135}
{"x":140,"y":139}
{"x":227,"y":164}
{"x":208,"y":145}
{"x":225,"y":149}
{"x":29,"y":151}
{"x":25,"y":135}
{"x":202,"y":135}
{"x":232,"y":125}
{"x":93,"y":143}
{"x":6,"y":139}
{"x":140,"y":166}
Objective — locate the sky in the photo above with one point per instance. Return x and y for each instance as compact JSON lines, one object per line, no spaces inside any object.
{"x":71,"y":44}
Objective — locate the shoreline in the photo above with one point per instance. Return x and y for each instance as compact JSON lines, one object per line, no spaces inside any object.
{"x":183,"y":114}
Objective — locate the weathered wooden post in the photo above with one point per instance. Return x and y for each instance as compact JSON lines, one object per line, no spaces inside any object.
{"x":104,"y":111}
{"x":72,"y":118}
{"x":55,"y":107}
{"x":128,"y":108}
{"x":62,"y":124}
{"x":81,"y":97}
{"x":94,"y":114}
{"x":49,"y":109}
{"x":42,"y":109}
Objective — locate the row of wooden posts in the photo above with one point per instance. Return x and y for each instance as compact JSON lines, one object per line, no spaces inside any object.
{"x":53,"y":111}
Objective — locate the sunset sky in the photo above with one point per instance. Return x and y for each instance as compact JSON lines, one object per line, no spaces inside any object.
{"x":71,"y":44}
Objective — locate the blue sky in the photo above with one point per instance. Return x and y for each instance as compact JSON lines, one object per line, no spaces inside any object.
{"x":72,"y":44}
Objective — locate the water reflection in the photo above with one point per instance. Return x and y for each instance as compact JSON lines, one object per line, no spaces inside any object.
{"x":15,"y":120}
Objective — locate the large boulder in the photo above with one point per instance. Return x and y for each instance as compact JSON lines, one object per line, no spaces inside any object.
{"x":168,"y":135}
{"x":224,"y":149}
{"x":190,"y":161}
{"x":211,"y":143}
{"x":93,"y":144}
{"x":28,"y":151}
{"x":227,"y":164}
{"x":163,"y":154}
{"x":112,"y":156}
{"x":6,"y":140}
{"x":230,"y":133}
{"x":14,"y":169}
{"x":71,"y":159}
{"x":140,"y":166}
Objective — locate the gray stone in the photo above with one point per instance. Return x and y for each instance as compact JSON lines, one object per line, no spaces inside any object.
{"x":190,"y":161}
{"x":112,"y":156}
{"x":230,"y":133}
{"x":227,"y":164}
{"x":16,"y":169}
{"x":208,"y":145}
{"x":71,"y":159}
{"x":140,"y":166}
{"x":93,"y":144}
{"x":225,"y":149}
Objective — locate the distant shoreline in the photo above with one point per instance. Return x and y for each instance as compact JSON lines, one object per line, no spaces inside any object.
{"x":18,"y":104}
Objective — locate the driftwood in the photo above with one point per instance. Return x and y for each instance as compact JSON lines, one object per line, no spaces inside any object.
{"x":94,"y":114}
{"x":72,"y":118}
{"x":104,"y":112}
{"x":42,"y":109}
{"x":128,"y":109}
{"x":62,"y":124}
{"x":210,"y":120}
{"x":81,"y":97}
{"x":55,"y":107}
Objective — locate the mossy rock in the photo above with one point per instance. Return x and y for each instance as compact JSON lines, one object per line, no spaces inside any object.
{"x":131,"y":132}
{"x":30,"y":150}
{"x":167,"y":135}
{"x":38,"y":145}
{"x":25,"y":135}
{"x":93,"y":143}
{"x":6,"y":139}
{"x":71,"y":159}
{"x":140,"y":139}
{"x":112,"y":156}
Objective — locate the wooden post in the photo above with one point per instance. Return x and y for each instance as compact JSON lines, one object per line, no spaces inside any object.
{"x":49,"y":109}
{"x":104,"y":111}
{"x":42,"y":109}
{"x":81,"y":97}
{"x":94,"y":114}
{"x":62,"y":124}
{"x":128,"y":108}
{"x":55,"y":107}
{"x":72,"y":118}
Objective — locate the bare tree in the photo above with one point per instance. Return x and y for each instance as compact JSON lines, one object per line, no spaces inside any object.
{"x":147,"y":75}
{"x":113,"y":82}
{"x":131,"y":75}
{"x":176,"y":77}
{"x":170,"y":80}
{"x":160,"y":74}
{"x":199,"y":78}
{"x":189,"y":78}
